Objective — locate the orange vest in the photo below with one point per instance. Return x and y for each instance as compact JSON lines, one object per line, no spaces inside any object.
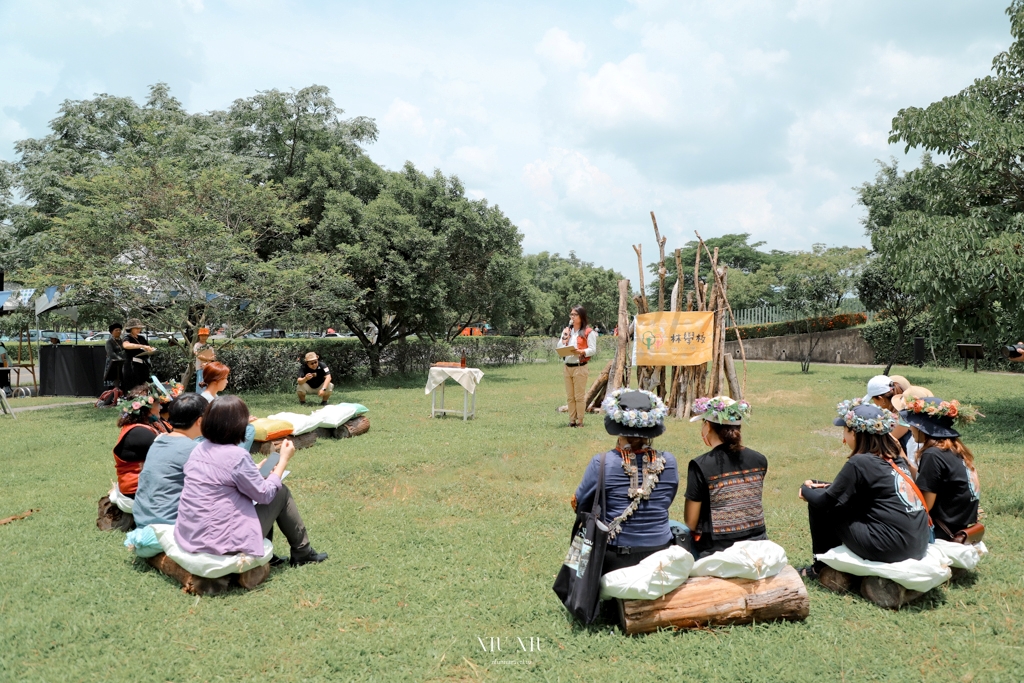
{"x":128,"y":472}
{"x":581,"y":343}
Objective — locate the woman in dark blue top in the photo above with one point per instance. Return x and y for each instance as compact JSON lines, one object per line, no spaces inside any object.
{"x":640,"y":482}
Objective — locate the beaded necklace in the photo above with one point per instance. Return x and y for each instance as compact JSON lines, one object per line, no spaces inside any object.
{"x":652,"y":467}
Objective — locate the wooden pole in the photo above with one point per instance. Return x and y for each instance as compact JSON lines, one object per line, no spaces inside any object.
{"x":661,"y":263}
{"x":639,"y":249}
{"x":708,"y":601}
{"x":735,"y":390}
{"x":617,"y":373}
{"x":735,"y":326}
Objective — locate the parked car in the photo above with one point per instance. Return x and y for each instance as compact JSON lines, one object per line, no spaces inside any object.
{"x":98,"y":337}
{"x":337,"y":334}
{"x":271,"y":334}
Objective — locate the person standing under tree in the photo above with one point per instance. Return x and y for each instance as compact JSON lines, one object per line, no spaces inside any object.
{"x":583,"y":338}
{"x":203,"y":353}
{"x":115,"y":357}
{"x":314,"y":377}
{"x":136,"y":369}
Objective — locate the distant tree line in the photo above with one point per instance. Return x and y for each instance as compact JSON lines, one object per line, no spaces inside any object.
{"x":268,"y":213}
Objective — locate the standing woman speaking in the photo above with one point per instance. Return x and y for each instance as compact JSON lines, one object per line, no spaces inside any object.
{"x":579,"y":336}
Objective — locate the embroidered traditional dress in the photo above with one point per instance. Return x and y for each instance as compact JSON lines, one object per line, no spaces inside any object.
{"x":728,"y":485}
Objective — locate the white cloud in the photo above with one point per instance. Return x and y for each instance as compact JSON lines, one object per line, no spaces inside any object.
{"x":557,"y":47}
{"x":626,"y":92}
{"x":406,"y":117}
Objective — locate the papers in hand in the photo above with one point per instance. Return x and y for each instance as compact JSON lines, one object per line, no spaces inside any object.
{"x":564,"y":351}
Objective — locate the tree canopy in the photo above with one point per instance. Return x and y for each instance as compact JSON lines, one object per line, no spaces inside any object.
{"x":267,"y":212}
{"x":953,"y":232}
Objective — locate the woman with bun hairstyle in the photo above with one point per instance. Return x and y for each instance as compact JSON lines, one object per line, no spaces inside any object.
{"x":873,"y":507}
{"x":724,"y":485}
{"x":946,"y":474}
{"x":640,"y":483}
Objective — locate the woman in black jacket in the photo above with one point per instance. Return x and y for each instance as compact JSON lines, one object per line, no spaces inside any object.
{"x":873,"y":507}
{"x":946,"y":474}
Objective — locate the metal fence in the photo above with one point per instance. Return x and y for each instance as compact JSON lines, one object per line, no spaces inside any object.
{"x":766,"y":315}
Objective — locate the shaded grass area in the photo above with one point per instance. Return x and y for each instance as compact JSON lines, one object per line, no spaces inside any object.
{"x":443,"y":532}
{"x":44,"y":400}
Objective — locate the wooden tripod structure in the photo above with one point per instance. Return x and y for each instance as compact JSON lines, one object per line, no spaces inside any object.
{"x":681,"y":386}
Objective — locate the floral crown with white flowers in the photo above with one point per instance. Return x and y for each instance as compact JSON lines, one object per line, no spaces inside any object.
{"x":720,"y":409}
{"x":954,"y":410}
{"x":641,"y":419}
{"x":883,"y":424}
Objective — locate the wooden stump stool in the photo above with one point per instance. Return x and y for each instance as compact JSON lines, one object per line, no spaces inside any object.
{"x":109,"y":517}
{"x":708,"y":601}
{"x":886,"y":593}
{"x":882,"y":592}
{"x":354,"y":427}
{"x":200,"y":585}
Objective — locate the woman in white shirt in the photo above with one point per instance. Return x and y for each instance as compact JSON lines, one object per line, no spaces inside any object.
{"x":579,"y":336}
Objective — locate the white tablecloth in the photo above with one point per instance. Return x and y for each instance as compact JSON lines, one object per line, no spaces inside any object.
{"x":467,"y":377}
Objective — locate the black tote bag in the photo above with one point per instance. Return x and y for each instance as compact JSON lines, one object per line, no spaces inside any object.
{"x":578,"y":584}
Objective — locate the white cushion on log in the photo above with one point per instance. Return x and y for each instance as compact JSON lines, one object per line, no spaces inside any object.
{"x":123,"y":503}
{"x":333,"y":416}
{"x":207,"y":565}
{"x":752,"y":560}
{"x":918,"y":575}
{"x":301,"y":424}
{"x":962,"y":555}
{"x":655,"y":575}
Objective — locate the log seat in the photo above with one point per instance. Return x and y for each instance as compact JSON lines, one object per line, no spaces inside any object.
{"x":301,"y":441}
{"x":708,"y":601}
{"x":883,"y":592}
{"x":200,"y":585}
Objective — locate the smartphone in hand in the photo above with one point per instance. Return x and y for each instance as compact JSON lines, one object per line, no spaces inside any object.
{"x":270,"y":464}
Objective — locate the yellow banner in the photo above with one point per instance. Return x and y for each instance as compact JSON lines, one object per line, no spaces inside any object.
{"x":674,"y":338}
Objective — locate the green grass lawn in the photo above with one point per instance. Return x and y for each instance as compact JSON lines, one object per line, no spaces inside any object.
{"x":443,"y":532}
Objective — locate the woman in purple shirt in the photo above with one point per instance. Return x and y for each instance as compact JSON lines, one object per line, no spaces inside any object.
{"x":216,"y":514}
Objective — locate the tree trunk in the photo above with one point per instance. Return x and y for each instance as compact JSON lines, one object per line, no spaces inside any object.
{"x":900,"y":331}
{"x":373,"y":351}
{"x":708,"y":601}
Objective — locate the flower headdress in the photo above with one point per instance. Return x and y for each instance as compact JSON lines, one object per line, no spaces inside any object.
{"x":883,"y":423}
{"x":720,"y":410}
{"x":642,"y":419}
{"x":173,"y":390}
{"x":136,"y":405}
{"x":954,"y":410}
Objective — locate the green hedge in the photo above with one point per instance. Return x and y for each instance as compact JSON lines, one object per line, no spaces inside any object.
{"x":881,"y":335}
{"x":836,"y":322}
{"x":267,"y":365}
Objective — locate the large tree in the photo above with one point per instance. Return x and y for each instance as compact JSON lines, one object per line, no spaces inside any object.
{"x":268,"y":211}
{"x":954,"y":231}
{"x":879,"y":291}
{"x":567,"y":282}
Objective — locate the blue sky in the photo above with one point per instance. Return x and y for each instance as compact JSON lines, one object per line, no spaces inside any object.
{"x":577,"y":118}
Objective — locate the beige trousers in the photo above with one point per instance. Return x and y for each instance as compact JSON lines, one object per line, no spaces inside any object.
{"x":575,"y":391}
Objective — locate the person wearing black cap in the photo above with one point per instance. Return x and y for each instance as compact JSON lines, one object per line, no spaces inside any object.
{"x":115,"y":357}
{"x":724,"y":485}
{"x":946,"y":475}
{"x":873,"y":507}
{"x":640,"y":482}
